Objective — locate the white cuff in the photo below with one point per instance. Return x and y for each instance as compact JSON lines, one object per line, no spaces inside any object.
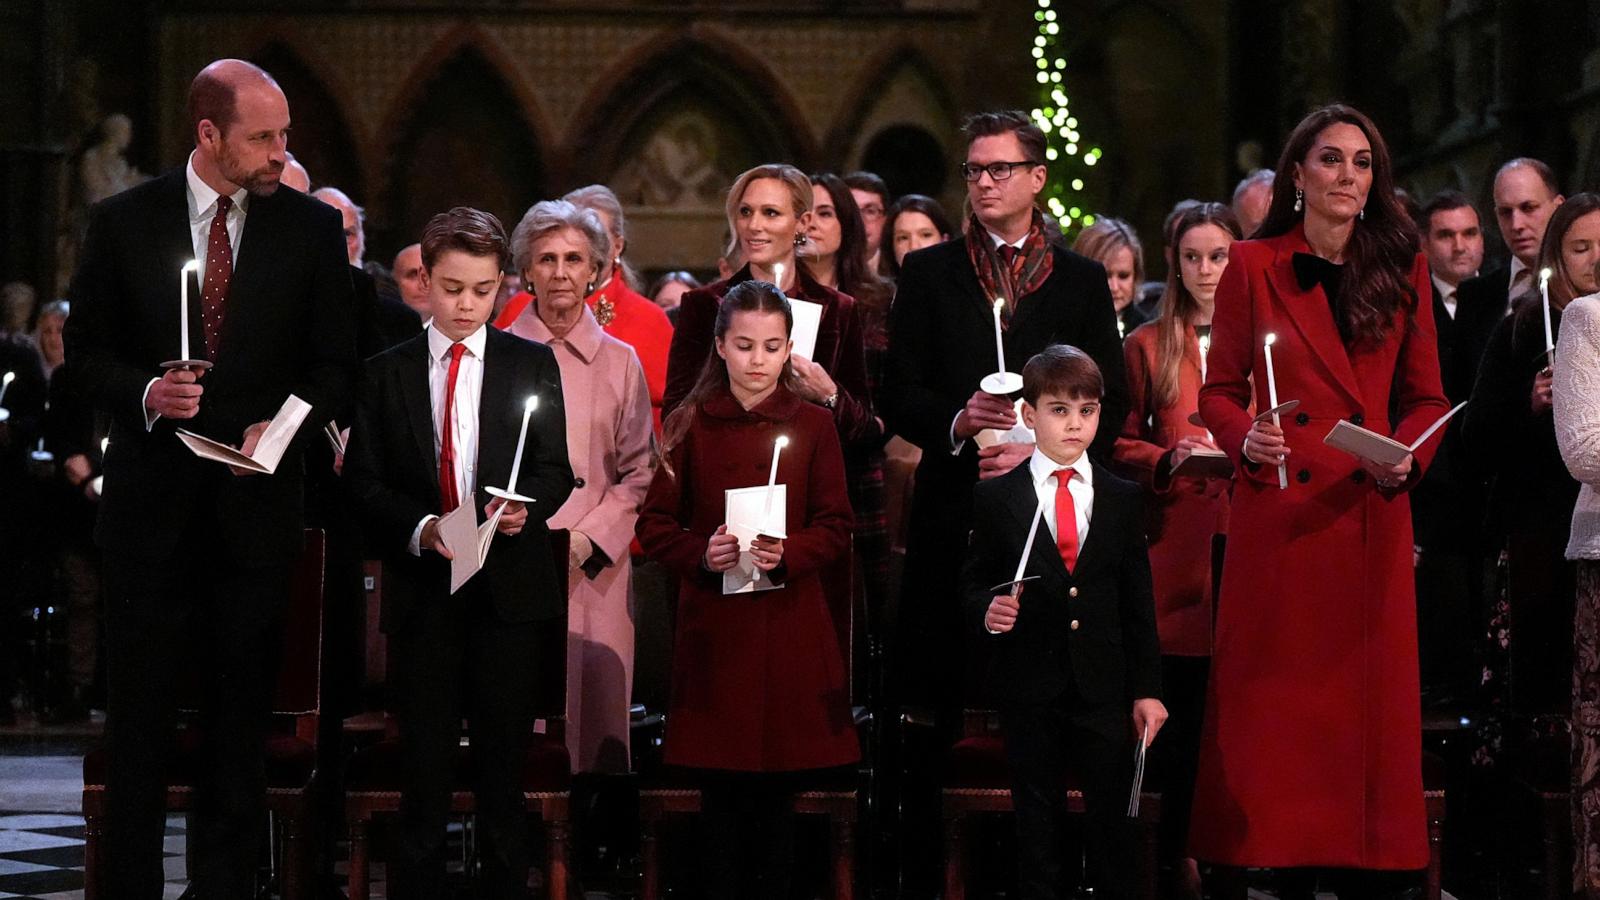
{"x":150,"y":415}
{"x":415,"y":547}
{"x":956,"y":445}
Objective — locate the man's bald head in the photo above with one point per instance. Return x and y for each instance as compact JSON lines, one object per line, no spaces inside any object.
{"x":408,"y":271}
{"x":295,"y":174}
{"x":241,"y":128}
{"x":355,"y":238}
{"x":214,"y":93}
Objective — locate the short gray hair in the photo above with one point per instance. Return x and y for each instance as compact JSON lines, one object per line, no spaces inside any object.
{"x":553,"y":215}
{"x":325,"y":193}
{"x":1259,"y":176}
{"x":602,"y":200}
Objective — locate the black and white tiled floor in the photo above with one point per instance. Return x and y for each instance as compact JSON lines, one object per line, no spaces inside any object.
{"x":41,"y":856}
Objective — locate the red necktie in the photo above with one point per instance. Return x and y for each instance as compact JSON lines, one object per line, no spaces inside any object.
{"x":1008,"y":254}
{"x":1066,"y":519}
{"x":450,"y":498}
{"x":219,"y":270}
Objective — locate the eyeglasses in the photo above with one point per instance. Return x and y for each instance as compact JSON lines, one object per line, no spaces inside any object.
{"x":999,"y":171}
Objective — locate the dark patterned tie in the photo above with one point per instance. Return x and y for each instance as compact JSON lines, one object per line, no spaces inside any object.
{"x":219,"y":271}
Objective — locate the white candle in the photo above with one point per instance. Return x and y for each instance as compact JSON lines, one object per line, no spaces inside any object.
{"x":772,"y":479}
{"x":1205,"y":350}
{"x":1027,"y":549}
{"x":999,"y":343}
{"x":777,"y":276}
{"x":183,"y":307}
{"x":1272,"y":401}
{"x":528,"y":406}
{"x":1549,"y":333}
{"x":5,"y":382}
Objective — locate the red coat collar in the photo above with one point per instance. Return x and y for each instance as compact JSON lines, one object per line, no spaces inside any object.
{"x":780,"y":406}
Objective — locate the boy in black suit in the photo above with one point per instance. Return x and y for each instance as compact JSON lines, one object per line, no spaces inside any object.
{"x":1082,"y":649}
{"x":437,"y":420}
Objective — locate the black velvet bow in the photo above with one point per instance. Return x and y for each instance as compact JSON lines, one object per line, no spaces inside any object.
{"x":1310,"y":269}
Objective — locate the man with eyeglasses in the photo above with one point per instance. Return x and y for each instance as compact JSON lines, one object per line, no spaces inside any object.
{"x":872,"y":198}
{"x":941,"y":345}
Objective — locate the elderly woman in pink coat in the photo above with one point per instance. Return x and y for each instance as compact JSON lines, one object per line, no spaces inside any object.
{"x":558,"y":249}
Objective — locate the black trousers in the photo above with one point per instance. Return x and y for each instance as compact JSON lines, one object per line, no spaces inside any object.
{"x":747,"y":838}
{"x":1175,"y":756}
{"x":192,"y":628}
{"x":455,"y":659}
{"x":1043,"y":742}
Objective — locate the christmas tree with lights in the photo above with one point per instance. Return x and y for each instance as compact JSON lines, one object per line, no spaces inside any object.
{"x":1069,"y":156}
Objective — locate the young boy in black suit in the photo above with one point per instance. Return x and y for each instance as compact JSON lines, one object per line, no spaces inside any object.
{"x":1075,"y":647}
{"x":437,"y":420}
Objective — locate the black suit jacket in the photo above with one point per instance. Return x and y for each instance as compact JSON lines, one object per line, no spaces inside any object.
{"x":289,"y":329}
{"x":1481,"y":303}
{"x":392,"y":468}
{"x":383,"y":321}
{"x":1113,"y":654}
{"x":941,"y":345}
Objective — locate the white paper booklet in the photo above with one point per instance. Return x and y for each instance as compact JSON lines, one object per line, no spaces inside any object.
{"x":1369,"y":445}
{"x":1018,"y":433}
{"x":468,"y":541}
{"x":745,"y":510}
{"x":807,"y":322}
{"x":336,"y":438}
{"x":269,"y":449}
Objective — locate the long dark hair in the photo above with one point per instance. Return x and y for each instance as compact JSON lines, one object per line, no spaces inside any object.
{"x":1383,"y":244}
{"x":1555,"y":232}
{"x":746,"y":296}
{"x":850,"y":263}
{"x":1178,"y":306}
{"x":921,"y":203}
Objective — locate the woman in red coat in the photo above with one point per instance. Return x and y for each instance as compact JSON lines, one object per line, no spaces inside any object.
{"x":1166,"y":365}
{"x":759,"y":689}
{"x":1312,"y":746}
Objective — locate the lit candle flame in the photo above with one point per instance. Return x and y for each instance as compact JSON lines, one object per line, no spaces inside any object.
{"x":531,"y":404}
{"x":782,"y":441}
{"x":1271,"y":339}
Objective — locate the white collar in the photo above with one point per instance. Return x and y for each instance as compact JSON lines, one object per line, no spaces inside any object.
{"x":1445,"y":289}
{"x":1517,"y":266}
{"x":204,"y":197}
{"x":439,"y":345}
{"x":1042,"y":467}
{"x":1002,"y":242}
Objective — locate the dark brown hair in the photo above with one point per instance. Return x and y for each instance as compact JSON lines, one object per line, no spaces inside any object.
{"x":909,"y":203}
{"x":1444,"y":201}
{"x":471,"y":231}
{"x":1178,"y":306}
{"x":746,"y":296}
{"x":988,"y":124}
{"x":869,"y":182}
{"x":1062,"y":370}
{"x":1555,"y":231}
{"x":1376,"y":287}
{"x":850,"y":263}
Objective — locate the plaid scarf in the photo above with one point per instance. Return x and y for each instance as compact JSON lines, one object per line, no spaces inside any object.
{"x":1027,"y":271}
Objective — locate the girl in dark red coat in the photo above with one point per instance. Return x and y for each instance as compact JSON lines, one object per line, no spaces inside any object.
{"x":1166,"y":365}
{"x":759,"y":691}
{"x":1311,"y":752}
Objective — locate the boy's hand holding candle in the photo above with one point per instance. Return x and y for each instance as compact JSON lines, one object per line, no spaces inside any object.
{"x":1002,"y":614}
{"x":722,"y":551}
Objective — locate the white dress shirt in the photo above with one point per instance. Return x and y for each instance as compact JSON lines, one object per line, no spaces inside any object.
{"x":464,"y":428}
{"x":1517,"y":268}
{"x":1447,"y":295}
{"x":1043,"y":469}
{"x":202,"y":209}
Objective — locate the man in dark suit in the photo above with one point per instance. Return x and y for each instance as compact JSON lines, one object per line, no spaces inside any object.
{"x":942,"y":345}
{"x":1076,"y":664}
{"x":1447,"y":507}
{"x":437,"y":420}
{"x":1525,"y":194}
{"x":381,"y":320}
{"x":198,"y":558}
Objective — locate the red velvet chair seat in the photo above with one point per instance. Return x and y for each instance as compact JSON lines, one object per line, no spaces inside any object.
{"x":377,"y":768}
{"x":290,"y":761}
